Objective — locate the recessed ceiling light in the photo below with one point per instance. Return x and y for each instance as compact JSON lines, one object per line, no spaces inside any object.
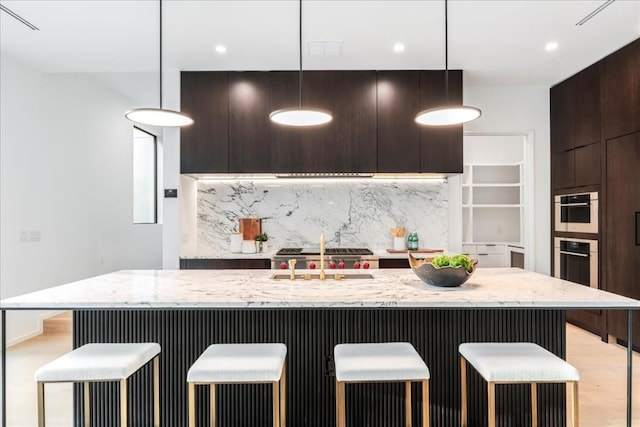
{"x":398,"y":47}
{"x":221,"y":49}
{"x":551,"y":46}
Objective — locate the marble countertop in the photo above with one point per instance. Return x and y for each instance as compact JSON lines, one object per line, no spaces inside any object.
{"x":390,"y":288}
{"x":381,"y":253}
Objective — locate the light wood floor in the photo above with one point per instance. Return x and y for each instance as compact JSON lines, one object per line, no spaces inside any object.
{"x":602,"y":384}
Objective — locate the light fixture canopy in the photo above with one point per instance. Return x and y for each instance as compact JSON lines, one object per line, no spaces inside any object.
{"x":298,"y":116}
{"x":159,"y":116}
{"x":447,"y":114}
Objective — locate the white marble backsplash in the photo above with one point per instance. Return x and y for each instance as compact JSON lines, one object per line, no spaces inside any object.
{"x":354,"y":213}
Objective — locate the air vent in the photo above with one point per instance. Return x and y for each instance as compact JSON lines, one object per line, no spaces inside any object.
{"x":595,"y":12}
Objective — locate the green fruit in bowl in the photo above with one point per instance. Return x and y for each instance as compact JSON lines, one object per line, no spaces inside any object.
{"x":441,"y":261}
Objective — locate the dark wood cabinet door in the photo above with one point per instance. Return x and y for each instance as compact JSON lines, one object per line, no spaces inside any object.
{"x":586,"y":107}
{"x":440,"y":147}
{"x":346,"y":144}
{"x":204,"y":145}
{"x":622,"y":223}
{"x":398,"y":134}
{"x":587,"y":165}
{"x":621,"y":94}
{"x":563,"y":170}
{"x":249,"y":124}
{"x":575,"y":110}
{"x":560,"y":121}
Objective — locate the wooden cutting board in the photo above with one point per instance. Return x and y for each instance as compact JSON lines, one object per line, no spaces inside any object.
{"x":419,"y":251}
{"x":250,"y":228}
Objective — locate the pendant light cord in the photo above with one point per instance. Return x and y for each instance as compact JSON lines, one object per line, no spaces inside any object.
{"x":446,"y":52}
{"x":300,"y":53}
{"x":161,"y":54}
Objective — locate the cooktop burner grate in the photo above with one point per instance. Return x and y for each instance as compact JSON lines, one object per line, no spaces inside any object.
{"x":328,"y":251}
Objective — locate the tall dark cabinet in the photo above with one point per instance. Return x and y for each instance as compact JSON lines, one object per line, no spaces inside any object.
{"x":623,"y":226}
{"x":595,"y":147}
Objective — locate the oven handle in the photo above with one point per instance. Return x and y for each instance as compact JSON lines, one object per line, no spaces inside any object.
{"x":574,"y":254}
{"x":575,"y":204}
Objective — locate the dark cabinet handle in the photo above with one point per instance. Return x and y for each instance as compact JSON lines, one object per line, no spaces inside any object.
{"x":637,"y":228}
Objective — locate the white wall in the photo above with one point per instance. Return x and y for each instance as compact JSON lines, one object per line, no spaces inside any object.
{"x":66,"y":173}
{"x":506,"y":109}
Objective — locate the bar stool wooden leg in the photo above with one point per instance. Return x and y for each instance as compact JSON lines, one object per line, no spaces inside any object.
{"x":574,"y":404}
{"x":156,"y":391}
{"x":407,"y":404}
{"x":491,"y":394}
{"x":276,"y":403}
{"x":87,"y":405}
{"x":192,"y":405}
{"x":212,"y":405}
{"x":283,"y":396}
{"x":463,"y":392}
{"x":534,"y":405}
{"x":123,"y":403}
{"x":40,"y":404}
{"x":340,"y":410}
{"x":425,"y":404}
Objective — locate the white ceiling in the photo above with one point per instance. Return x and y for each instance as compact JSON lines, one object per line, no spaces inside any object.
{"x":496,"y":42}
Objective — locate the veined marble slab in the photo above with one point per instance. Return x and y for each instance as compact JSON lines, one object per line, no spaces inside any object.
{"x":249,"y":289}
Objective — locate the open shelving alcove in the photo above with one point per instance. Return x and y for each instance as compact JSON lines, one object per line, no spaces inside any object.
{"x":494,"y":196}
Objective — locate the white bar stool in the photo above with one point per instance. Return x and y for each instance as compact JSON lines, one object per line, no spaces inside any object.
{"x":240,"y":364}
{"x":380,"y":362}
{"x":516,"y":363}
{"x":100,"y":363}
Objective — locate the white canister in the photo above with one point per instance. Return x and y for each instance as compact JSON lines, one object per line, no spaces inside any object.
{"x":248,"y":247}
{"x":236,"y":243}
{"x":399,"y":243}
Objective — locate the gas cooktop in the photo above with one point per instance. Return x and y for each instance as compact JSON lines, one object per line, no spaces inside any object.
{"x":328,"y":251}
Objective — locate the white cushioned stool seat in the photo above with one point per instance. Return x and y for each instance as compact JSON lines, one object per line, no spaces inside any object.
{"x":101,"y":362}
{"x":517,"y":362}
{"x":380,"y":362}
{"x":239,"y":363}
{"x":98,"y":362}
{"x":392,"y":361}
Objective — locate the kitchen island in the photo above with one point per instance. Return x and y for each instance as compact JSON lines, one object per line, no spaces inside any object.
{"x":187,"y":310}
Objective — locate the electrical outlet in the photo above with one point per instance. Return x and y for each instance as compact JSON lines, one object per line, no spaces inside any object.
{"x":329,"y":366}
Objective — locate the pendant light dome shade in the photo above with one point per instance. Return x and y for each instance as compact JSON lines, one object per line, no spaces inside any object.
{"x":298,"y":116}
{"x":159,"y":116}
{"x":445,"y":116}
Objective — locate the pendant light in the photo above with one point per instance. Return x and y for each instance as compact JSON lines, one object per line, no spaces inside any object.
{"x":159,"y":116}
{"x":447,"y":114}
{"x":298,"y":116}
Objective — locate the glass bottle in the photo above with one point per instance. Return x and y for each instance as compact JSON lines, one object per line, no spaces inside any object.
{"x":412,"y":241}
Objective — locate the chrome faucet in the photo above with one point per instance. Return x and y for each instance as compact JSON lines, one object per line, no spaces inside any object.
{"x":322,"y":244}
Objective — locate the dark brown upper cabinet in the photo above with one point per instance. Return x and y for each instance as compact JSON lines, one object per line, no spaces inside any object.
{"x":398,"y":134}
{"x":249,"y":124}
{"x":578,"y":167}
{"x":621,"y":91}
{"x":575,"y":110}
{"x":204,"y":146}
{"x":440,"y":146}
{"x":347,"y":143}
